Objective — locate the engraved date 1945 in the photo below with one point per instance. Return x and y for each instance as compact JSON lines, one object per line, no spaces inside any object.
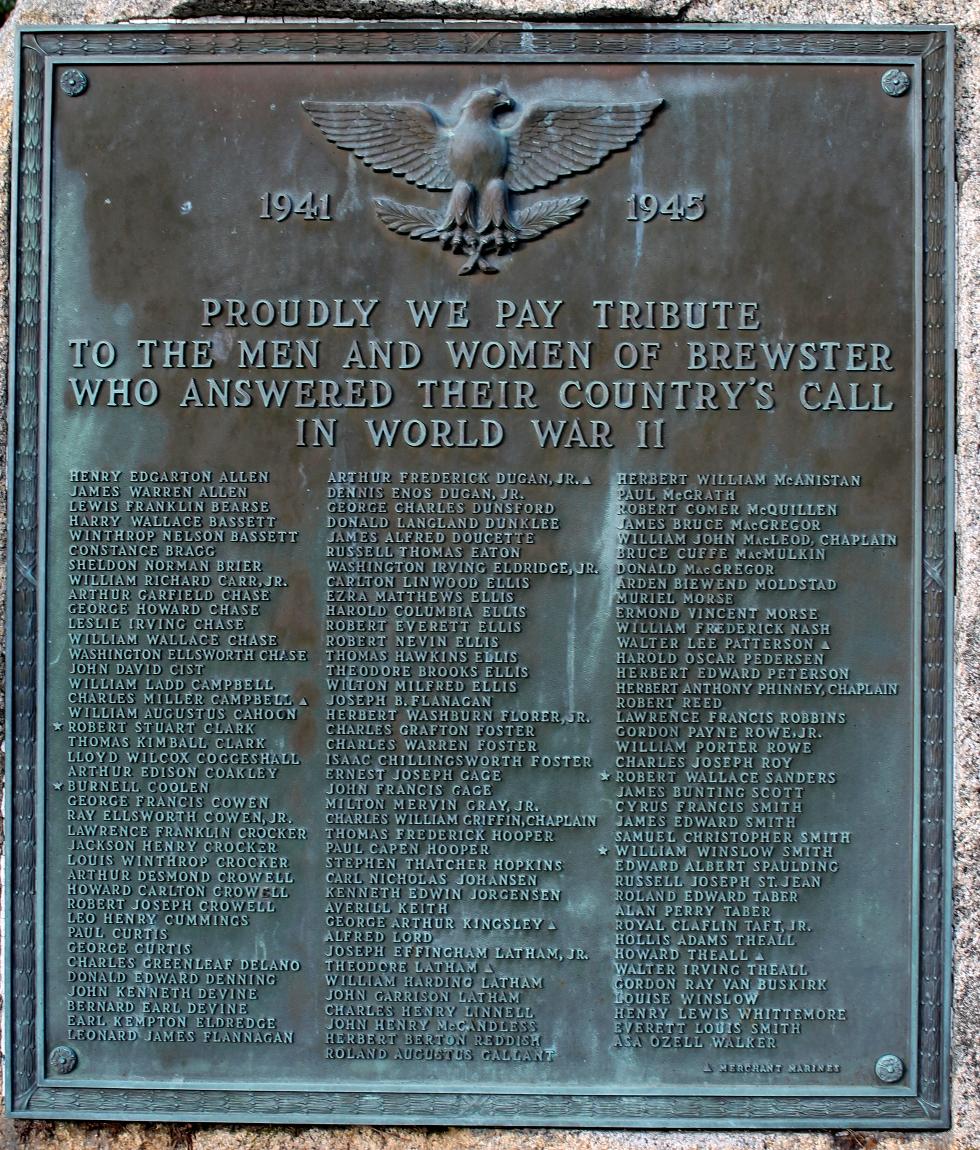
{"x":280,"y":206}
{"x":645,"y":206}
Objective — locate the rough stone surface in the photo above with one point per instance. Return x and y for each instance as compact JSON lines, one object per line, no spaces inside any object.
{"x":965,"y":14}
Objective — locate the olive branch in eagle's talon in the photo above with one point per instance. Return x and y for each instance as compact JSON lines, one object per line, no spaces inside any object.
{"x":481,"y":164}
{"x":427,"y":224}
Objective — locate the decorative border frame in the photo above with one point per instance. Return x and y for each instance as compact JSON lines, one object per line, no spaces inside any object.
{"x":28,"y":1092}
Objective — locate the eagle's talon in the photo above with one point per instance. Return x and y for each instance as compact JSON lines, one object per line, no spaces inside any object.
{"x":454,"y":238}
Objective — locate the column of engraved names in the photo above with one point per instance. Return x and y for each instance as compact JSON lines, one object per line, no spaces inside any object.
{"x":723,"y":608}
{"x":163,"y":739}
{"x":443,"y":894}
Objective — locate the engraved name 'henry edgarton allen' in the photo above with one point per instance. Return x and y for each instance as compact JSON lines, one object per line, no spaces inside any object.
{"x":480,"y":163}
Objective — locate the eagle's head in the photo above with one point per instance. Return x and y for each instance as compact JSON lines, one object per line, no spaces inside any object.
{"x":488,"y":102}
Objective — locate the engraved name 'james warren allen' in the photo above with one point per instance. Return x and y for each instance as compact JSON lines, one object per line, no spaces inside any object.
{"x":481,"y":163}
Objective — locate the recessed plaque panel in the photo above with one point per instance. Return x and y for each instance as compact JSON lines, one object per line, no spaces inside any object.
{"x":479,"y":578}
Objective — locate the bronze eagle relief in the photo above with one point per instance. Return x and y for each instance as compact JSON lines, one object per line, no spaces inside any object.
{"x":481,"y":164}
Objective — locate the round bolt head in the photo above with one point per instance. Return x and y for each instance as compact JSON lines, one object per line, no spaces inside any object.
{"x":63,"y":1060}
{"x":73,"y":82}
{"x":890,"y":1068}
{"x":895,"y":82}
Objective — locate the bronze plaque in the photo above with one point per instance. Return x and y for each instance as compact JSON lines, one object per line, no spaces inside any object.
{"x":480,"y":575}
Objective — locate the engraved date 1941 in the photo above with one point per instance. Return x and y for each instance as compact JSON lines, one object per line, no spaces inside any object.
{"x":280,"y":206}
{"x":645,"y":206}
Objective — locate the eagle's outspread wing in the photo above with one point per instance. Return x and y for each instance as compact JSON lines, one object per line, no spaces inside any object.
{"x":407,"y":139}
{"x":555,"y":140}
